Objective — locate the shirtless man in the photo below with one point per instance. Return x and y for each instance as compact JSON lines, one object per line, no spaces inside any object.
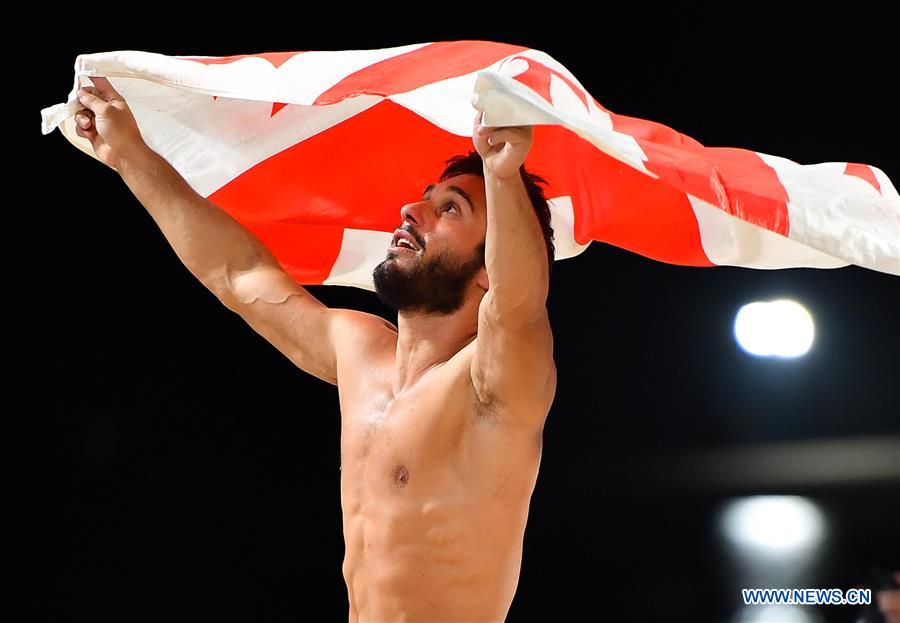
{"x":442,"y":415}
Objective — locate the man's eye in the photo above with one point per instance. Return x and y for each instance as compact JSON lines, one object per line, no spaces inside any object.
{"x":452,"y":205}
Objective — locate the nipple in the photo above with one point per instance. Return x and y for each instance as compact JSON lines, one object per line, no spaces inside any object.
{"x":400,"y":477}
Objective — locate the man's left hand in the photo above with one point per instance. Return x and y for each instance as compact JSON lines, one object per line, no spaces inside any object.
{"x":503,"y":150}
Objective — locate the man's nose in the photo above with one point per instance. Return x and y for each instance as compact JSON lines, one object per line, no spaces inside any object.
{"x":413,"y":212}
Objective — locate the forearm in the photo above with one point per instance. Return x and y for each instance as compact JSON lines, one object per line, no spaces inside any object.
{"x":515,"y":251}
{"x":210,"y":243}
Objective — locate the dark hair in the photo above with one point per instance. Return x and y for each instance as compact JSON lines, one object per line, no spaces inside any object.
{"x":472,"y":163}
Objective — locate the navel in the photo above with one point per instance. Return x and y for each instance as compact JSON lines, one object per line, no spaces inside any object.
{"x":400,"y":476}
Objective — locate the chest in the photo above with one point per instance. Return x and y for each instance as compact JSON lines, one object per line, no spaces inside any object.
{"x":400,"y":442}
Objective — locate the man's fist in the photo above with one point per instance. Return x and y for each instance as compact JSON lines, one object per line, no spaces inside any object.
{"x":503,"y":150}
{"x":107,"y":122}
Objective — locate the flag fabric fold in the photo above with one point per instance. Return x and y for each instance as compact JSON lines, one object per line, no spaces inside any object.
{"x":315,"y":152}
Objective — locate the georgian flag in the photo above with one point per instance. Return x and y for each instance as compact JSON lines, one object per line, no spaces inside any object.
{"x":315,"y":152}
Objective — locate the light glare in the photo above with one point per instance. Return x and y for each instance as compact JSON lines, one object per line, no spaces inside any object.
{"x":773,"y":524}
{"x":780,"y":328}
{"x":782,"y":614}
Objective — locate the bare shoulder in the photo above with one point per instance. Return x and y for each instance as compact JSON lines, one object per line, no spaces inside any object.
{"x":359,"y":335}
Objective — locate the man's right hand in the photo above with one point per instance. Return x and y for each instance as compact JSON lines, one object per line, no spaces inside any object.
{"x":107,"y":122}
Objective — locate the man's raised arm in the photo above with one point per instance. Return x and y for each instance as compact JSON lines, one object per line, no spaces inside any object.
{"x":209,"y":242}
{"x":513,"y":362}
{"x":227,"y":258}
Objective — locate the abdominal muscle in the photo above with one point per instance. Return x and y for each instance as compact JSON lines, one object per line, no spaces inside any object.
{"x":433,"y":529}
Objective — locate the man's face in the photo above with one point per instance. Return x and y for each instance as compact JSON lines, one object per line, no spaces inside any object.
{"x":446,"y":230}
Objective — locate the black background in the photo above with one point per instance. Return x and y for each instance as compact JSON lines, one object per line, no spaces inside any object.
{"x":172,"y":465}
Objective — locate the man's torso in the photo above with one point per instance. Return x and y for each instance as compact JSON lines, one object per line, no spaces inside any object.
{"x":434,"y":489}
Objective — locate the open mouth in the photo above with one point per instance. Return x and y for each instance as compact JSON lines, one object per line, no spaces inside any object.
{"x":403,"y":240}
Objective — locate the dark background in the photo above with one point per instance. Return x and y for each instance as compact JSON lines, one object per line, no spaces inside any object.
{"x":169,"y":464}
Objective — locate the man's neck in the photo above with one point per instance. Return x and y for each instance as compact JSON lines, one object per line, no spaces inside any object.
{"x":426,"y":341}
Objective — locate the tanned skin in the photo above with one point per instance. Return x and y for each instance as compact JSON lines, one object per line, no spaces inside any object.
{"x":441,"y":415}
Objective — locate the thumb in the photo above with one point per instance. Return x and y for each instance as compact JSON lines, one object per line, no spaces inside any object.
{"x":91,"y":101}
{"x":481,"y":138}
{"x":104,"y":88}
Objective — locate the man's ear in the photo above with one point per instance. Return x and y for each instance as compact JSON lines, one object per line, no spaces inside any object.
{"x":482,"y":278}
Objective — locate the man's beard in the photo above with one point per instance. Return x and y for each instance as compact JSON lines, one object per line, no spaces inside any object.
{"x":430,"y":286}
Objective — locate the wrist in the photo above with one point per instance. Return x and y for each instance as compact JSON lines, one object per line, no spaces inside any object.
{"x":136,"y":156}
{"x":492,"y":179}
{"x":492,"y":176}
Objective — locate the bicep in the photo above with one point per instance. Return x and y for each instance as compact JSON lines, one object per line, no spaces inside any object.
{"x":290,"y":318}
{"x":513,"y":362}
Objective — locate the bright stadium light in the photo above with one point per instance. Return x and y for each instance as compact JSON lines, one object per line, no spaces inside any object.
{"x":781,"y":614}
{"x":773,"y":525}
{"x":774,"y":329}
{"x":773,"y":541}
